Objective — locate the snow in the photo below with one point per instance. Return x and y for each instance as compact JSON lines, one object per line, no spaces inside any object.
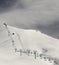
{"x":31,"y":39}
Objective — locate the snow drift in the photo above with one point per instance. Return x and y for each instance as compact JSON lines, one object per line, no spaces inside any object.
{"x":31,"y":39}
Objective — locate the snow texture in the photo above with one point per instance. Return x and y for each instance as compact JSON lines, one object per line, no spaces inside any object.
{"x":31,"y":39}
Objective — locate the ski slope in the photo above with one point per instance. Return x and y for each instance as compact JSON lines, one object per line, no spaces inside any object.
{"x":31,"y":39}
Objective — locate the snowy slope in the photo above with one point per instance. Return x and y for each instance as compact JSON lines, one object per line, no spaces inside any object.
{"x":31,"y":39}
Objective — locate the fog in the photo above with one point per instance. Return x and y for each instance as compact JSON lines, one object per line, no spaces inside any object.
{"x":40,"y":15}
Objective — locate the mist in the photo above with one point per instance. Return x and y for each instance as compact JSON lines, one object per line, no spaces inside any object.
{"x":40,"y":15}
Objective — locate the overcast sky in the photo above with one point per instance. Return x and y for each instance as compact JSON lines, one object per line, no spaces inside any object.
{"x":41,"y":15}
